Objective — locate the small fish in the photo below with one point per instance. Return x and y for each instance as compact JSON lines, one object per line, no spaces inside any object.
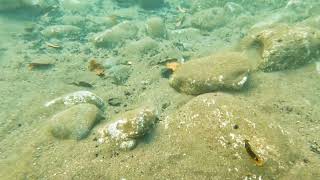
{"x":39,"y":65}
{"x":53,"y":45}
{"x":82,"y":84}
{"x":257,"y":159}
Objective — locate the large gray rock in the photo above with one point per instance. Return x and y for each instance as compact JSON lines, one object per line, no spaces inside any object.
{"x":225,"y":71}
{"x":205,"y":139}
{"x":284,"y":47}
{"x":75,"y":122}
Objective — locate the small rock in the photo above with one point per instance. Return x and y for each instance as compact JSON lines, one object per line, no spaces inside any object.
{"x":75,"y":122}
{"x":209,"y":19}
{"x":166,"y":72}
{"x":114,"y":101}
{"x":143,"y":47}
{"x":225,"y":71}
{"x":156,"y":27}
{"x":130,"y":127}
{"x":77,"y":97}
{"x":120,"y":74}
{"x":113,"y":36}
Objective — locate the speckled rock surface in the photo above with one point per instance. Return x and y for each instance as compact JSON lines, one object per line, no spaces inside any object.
{"x":77,"y":97}
{"x":130,"y":126}
{"x":213,"y":127}
{"x":75,"y":122}
{"x":284,"y":47}
{"x":224,"y":71}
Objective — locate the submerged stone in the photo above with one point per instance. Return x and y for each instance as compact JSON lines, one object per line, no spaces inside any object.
{"x":156,"y":27}
{"x":113,"y":36}
{"x":211,"y":135}
{"x":77,"y":97}
{"x":143,"y":47}
{"x":227,"y":71}
{"x":120,"y":74}
{"x":75,"y":122}
{"x":209,"y":19}
{"x":130,"y":127}
{"x":284,"y":47}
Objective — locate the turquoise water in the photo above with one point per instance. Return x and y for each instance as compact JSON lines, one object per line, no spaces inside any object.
{"x":159,"y":89}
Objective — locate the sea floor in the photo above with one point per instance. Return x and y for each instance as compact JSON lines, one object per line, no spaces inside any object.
{"x":290,"y":98}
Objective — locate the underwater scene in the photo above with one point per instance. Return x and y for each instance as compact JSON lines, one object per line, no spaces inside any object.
{"x":159,"y":89}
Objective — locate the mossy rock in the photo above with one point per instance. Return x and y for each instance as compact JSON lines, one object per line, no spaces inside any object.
{"x":284,"y":47}
{"x":223,"y":71}
{"x":75,"y":122}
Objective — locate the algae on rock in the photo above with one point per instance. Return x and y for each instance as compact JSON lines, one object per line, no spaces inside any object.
{"x":284,"y":47}
{"x":224,"y":71}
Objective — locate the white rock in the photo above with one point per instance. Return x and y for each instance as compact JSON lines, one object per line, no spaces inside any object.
{"x":77,"y":97}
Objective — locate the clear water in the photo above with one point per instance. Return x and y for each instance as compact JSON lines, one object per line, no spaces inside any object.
{"x":47,"y":46}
